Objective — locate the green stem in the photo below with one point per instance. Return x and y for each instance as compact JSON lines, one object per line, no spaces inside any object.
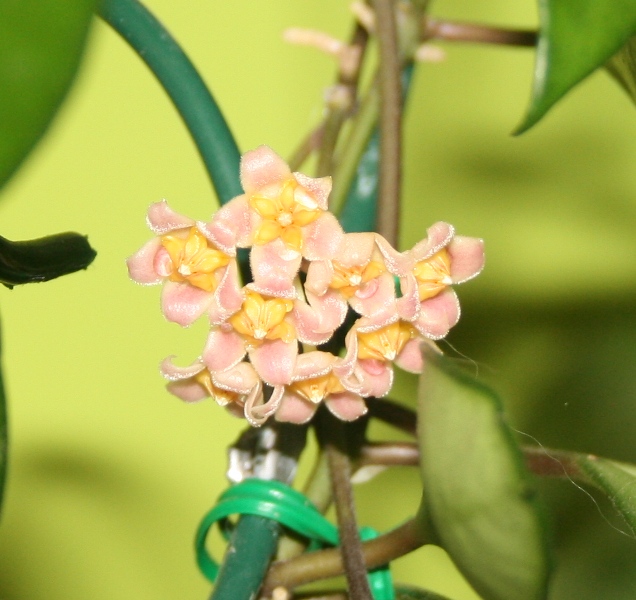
{"x":360,"y":209}
{"x":176,"y":73}
{"x":354,"y":146}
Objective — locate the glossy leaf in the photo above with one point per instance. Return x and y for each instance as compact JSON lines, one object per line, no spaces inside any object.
{"x":40,"y":47}
{"x":623,"y":67}
{"x":576,"y":37}
{"x":477,"y":492}
{"x":43,"y":259}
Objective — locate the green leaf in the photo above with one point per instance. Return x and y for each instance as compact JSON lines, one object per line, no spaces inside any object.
{"x":617,"y":480}
{"x":477,"y":492}
{"x":576,"y":37}
{"x":43,"y":259}
{"x":40,"y":47}
{"x":407,"y":592}
{"x":623,"y":67}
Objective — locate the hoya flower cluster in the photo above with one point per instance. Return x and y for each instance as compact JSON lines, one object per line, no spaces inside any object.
{"x":262,"y":356}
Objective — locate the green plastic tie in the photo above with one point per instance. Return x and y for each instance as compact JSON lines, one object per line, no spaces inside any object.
{"x":279,"y":502}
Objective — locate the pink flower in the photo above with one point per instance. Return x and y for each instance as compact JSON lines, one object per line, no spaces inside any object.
{"x":372,"y":348}
{"x":262,"y":328}
{"x":313,"y":382}
{"x":357,"y":272}
{"x":426,"y":273}
{"x":198,"y":276}
{"x":238,"y":388}
{"x":279,"y":208}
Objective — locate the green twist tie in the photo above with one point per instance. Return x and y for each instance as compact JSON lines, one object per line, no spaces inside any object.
{"x":277,"y":501}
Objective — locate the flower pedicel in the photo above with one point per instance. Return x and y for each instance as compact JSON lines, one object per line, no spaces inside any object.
{"x":260,"y":358}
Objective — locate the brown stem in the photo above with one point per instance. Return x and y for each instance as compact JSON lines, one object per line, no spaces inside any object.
{"x":390,"y":454}
{"x":350,"y":543}
{"x":394,"y":414}
{"x":480,"y":34}
{"x":328,"y":563}
{"x":554,"y":463}
{"x":306,"y":147}
{"x":388,"y":224}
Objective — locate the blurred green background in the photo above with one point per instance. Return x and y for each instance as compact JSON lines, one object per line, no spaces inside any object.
{"x":109,"y":475}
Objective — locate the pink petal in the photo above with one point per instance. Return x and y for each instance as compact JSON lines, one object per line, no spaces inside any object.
{"x":231,"y":226}
{"x":294,"y":409}
{"x":224,"y":348}
{"x":274,"y":270}
{"x":141,"y":267}
{"x":356,"y":249}
{"x":381,"y":303}
{"x":467,"y":258}
{"x":408,"y":306}
{"x":319,"y":276}
{"x":240,"y":378}
{"x":262,"y":167}
{"x":345,"y":366}
{"x":228,"y":296}
{"x":274,"y":361}
{"x":347,"y":406}
{"x":318,"y":187}
{"x":162,"y":219}
{"x":173,"y":373}
{"x":188,"y":390}
{"x":254,"y":410}
{"x":163,"y":263}
{"x":183,"y":303}
{"x":370,"y":378}
{"x":438,"y":315}
{"x":322,"y":238}
{"x":400,"y":263}
{"x":315,"y":322}
{"x":313,"y":364}
{"x":410,"y":358}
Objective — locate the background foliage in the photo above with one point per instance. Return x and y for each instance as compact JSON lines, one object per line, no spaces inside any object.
{"x":109,"y":475}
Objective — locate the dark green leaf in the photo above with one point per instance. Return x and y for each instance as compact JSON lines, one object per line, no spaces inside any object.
{"x":43,"y":259}
{"x":576,"y":37}
{"x":623,"y":67}
{"x":477,"y":492}
{"x":404,"y":592}
{"x":40,"y":47}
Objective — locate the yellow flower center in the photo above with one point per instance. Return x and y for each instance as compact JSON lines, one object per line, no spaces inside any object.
{"x":260,"y":319}
{"x":349,"y":279}
{"x":318,"y":388}
{"x":385,"y":343}
{"x":285,"y":214}
{"x":194,"y":259}
{"x":433,"y":274}
{"x":222,"y":397}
